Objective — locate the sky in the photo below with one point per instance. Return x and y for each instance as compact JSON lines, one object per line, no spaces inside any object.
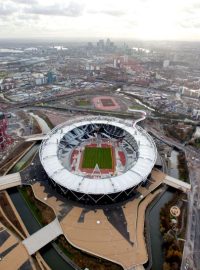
{"x":128,"y":19}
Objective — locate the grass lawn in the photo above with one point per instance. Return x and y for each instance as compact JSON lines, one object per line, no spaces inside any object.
{"x":97,"y":155}
{"x":137,"y":107}
{"x":36,"y":212}
{"x":82,"y":102}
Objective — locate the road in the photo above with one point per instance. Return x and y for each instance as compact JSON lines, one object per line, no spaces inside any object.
{"x":191,"y":253}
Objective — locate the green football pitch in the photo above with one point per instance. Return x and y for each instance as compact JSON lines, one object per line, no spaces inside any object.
{"x":97,"y":155}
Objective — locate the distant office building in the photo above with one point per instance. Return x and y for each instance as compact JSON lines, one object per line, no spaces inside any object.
{"x":91,"y":67}
{"x":196,"y":114}
{"x":90,"y":45}
{"x":116,"y":63}
{"x":190,"y":92}
{"x":125,"y":58}
{"x":100,"y":44}
{"x":51,"y":78}
{"x":6,"y":84}
{"x":39,"y":79}
{"x":166,"y":63}
{"x":108,"y":43}
{"x":107,"y":46}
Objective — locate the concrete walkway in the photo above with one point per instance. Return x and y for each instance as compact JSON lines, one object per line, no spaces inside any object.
{"x":139,"y":267}
{"x":176,"y":183}
{"x":10,"y":180}
{"x":34,"y":137}
{"x":41,"y":238}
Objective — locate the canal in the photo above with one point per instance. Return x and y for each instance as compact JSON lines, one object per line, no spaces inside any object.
{"x":49,"y":254}
{"x":154,"y":216}
{"x":25,"y":160}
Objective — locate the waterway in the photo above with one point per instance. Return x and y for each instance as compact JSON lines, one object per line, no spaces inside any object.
{"x":49,"y":254}
{"x":154,"y":216}
{"x":140,"y":103}
{"x":25,"y":159}
{"x":173,"y":164}
{"x":155,"y":235}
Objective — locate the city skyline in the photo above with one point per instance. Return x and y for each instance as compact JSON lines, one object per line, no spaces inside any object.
{"x":140,"y":19}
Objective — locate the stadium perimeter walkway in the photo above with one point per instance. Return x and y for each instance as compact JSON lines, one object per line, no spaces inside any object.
{"x":94,"y":231}
{"x":98,"y":235}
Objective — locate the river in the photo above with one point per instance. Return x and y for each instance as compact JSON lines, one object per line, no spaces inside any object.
{"x":25,"y":159}
{"x":49,"y":254}
{"x":140,"y":103}
{"x":154,"y":216}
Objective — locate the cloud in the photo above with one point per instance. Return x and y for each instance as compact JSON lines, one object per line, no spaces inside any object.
{"x":27,"y":17}
{"x":6,"y":9}
{"x":195,"y":24}
{"x":111,"y":12}
{"x":72,"y":10}
{"x":189,"y":16}
{"x":191,"y":8}
{"x":26,"y":2}
{"x":114,"y":12}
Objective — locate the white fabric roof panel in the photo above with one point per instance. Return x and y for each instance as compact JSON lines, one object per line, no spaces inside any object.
{"x":51,"y":165}
{"x":55,"y":138}
{"x":132,"y":178}
{"x":146,"y":155}
{"x":79,"y":183}
{"x":85,"y":184}
{"x":66,"y":179}
{"x":50,"y":149}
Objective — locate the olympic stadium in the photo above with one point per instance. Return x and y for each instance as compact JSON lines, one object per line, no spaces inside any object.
{"x":98,"y":159}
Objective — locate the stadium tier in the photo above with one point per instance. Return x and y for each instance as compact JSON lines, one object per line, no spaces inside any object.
{"x":98,"y":159}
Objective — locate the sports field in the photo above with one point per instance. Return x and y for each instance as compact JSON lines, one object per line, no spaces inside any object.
{"x":97,"y":155}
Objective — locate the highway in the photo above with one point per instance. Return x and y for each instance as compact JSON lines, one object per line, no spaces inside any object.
{"x":191,"y":253}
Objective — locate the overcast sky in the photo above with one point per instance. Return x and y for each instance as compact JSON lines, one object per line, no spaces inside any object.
{"x":134,"y":19}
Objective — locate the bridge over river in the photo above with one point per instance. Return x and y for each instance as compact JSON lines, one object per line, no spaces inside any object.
{"x":41,"y":238}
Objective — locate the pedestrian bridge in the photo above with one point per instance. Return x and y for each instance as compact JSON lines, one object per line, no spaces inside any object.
{"x":138,"y":267}
{"x":178,"y":184}
{"x":34,"y":137}
{"x":41,"y":238}
{"x":10,"y":180}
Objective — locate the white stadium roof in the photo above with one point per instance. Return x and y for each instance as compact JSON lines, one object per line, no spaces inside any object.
{"x":79,"y":183}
